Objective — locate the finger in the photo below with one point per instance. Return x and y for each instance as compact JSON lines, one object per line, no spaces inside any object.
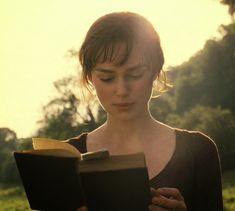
{"x":154,"y":192}
{"x":173,"y":193}
{"x":165,"y":202}
{"x":83,"y":208}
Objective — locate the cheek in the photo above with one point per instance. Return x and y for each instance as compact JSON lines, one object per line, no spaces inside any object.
{"x":102,"y":91}
{"x":144,"y":87}
{"x":143,"y":91}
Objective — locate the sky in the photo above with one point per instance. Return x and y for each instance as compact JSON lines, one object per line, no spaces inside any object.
{"x":36,"y":34}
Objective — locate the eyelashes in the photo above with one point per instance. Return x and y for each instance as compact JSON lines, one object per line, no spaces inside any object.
{"x":109,"y":76}
{"x":107,"y":80}
{"x":127,"y":77}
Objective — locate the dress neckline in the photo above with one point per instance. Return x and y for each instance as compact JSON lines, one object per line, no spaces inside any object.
{"x":83,"y":137}
{"x":171,"y":160}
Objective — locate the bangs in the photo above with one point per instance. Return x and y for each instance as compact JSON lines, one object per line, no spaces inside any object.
{"x":115,"y":52}
{"x":112,"y":44}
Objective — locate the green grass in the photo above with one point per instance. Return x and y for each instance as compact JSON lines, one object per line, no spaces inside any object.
{"x":12,"y":198}
{"x":229,"y":190}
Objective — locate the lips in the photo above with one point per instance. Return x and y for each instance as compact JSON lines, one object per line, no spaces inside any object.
{"x":123,"y":105}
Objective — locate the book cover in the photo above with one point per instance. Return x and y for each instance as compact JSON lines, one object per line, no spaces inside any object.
{"x":55,"y":179}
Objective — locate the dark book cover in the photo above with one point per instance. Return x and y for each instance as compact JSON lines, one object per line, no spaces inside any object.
{"x":65,"y":183}
{"x":50,"y":183}
{"x":117,"y":190}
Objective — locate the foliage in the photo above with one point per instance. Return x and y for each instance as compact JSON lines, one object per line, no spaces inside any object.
{"x":7,"y":139}
{"x":24,"y":144}
{"x":231,"y":6}
{"x":227,"y":29}
{"x":161,"y":107}
{"x":208,"y":77}
{"x":229,"y":190}
{"x":8,"y":144}
{"x":65,"y":116}
{"x":13,"y":199}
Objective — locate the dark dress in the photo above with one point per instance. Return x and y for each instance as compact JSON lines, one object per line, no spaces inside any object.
{"x":194,"y":169}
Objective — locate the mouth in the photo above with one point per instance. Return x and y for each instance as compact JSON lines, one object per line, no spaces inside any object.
{"x":123,"y":105}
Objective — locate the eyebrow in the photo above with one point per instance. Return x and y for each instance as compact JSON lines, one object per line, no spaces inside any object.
{"x":104,"y":70}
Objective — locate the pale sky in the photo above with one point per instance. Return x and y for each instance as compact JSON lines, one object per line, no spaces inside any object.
{"x":35,"y":35}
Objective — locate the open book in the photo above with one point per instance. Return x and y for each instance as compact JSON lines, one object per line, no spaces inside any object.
{"x":56,"y":176}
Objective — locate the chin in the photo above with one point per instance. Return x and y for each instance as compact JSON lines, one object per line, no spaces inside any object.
{"x":125,"y":116}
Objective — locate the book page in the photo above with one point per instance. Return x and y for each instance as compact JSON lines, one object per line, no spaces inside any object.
{"x":52,"y":152}
{"x":46,"y":143}
{"x":114,"y":162}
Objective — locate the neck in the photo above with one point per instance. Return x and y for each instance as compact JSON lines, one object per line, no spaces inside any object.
{"x":133,"y":129}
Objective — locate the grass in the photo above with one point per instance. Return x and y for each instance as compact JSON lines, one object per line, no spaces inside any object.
{"x":12,"y":198}
{"x":229,"y":190}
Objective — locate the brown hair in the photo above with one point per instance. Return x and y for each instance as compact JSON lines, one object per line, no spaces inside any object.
{"x":115,"y":28}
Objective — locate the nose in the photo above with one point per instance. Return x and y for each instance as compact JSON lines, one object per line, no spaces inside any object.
{"x":122,"y":88}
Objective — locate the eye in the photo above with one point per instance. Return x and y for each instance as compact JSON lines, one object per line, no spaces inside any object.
{"x":136,"y":74}
{"x":107,"y":79}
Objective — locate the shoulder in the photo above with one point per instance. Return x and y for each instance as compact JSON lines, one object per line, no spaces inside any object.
{"x":197,"y":137}
{"x":79,"y":142}
{"x":199,"y":142}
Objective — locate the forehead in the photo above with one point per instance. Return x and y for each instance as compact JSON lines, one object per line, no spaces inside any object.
{"x":120,"y":55}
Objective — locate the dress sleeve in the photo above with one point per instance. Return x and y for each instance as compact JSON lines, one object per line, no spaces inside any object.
{"x":208,"y":193}
{"x":79,"y":142}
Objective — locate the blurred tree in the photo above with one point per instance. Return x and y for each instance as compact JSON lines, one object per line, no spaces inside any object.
{"x":65,"y":116}
{"x":227,"y":29}
{"x":231,"y":7}
{"x":9,"y":173}
{"x":208,"y":77}
{"x":8,"y":144}
{"x":24,"y":144}
{"x":161,"y":107}
{"x":7,"y":139}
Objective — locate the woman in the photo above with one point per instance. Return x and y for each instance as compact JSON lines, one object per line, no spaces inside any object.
{"x":121,"y":58}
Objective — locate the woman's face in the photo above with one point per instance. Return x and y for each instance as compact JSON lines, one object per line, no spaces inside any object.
{"x":124,"y":91}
